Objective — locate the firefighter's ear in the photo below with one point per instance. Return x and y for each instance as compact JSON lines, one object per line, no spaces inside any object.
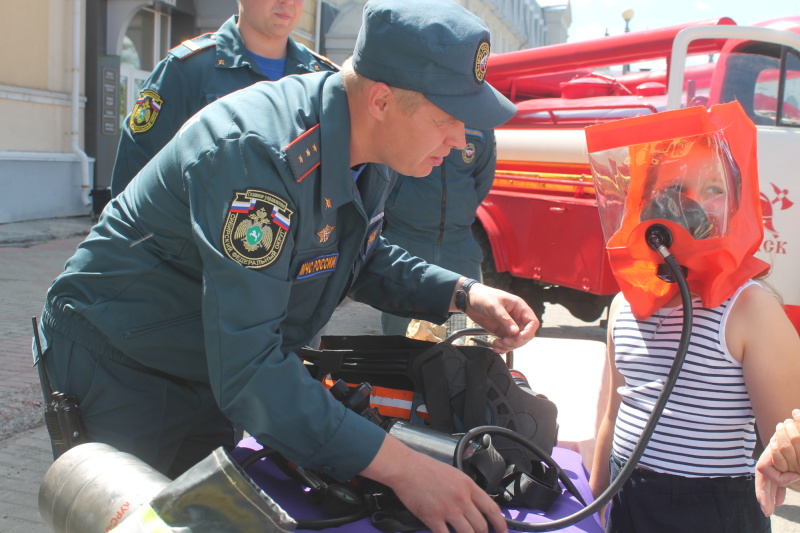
{"x":380,"y":97}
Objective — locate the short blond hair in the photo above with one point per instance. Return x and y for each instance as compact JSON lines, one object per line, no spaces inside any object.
{"x":408,"y":101}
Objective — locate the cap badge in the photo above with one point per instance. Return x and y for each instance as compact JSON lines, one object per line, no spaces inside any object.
{"x":481,"y":61}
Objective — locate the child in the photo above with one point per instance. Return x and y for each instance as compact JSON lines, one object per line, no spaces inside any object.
{"x":742,"y":366}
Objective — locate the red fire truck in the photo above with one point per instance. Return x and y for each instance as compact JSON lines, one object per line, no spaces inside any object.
{"x":539,"y":226}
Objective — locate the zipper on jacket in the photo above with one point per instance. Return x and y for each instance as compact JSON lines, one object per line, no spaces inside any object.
{"x":444,"y":207}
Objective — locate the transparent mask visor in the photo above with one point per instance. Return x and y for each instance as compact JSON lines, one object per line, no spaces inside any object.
{"x":691,"y":181}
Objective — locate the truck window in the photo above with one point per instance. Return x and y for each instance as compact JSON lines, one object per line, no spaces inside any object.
{"x":790,"y":111}
{"x":752,"y":79}
{"x":760,"y":80}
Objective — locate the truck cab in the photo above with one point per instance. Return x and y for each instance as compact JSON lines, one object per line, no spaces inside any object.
{"x":539,"y":226}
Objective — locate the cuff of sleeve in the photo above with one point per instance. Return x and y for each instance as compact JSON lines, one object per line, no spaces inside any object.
{"x":436,"y":292}
{"x":351,"y":449}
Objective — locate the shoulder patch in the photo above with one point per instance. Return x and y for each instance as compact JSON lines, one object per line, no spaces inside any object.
{"x":145,"y":111}
{"x":255,"y":228}
{"x":195,"y":44}
{"x":322,"y":59}
{"x":303,"y":154}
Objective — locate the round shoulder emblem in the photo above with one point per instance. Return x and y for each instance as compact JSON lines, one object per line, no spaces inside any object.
{"x":256,"y":227}
{"x":468,"y":153}
{"x":481,"y":61}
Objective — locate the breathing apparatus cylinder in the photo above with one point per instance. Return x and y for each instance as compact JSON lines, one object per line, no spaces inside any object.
{"x":92,"y":487}
{"x":436,"y":444}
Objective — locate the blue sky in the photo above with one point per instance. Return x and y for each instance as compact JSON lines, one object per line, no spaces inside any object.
{"x":590,"y":18}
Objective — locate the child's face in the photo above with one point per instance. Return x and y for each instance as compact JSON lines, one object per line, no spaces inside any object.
{"x":699,"y":175}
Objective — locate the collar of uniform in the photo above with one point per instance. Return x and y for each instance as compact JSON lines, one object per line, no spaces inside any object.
{"x":337,"y":183}
{"x":230,"y":51}
{"x":297,"y":58}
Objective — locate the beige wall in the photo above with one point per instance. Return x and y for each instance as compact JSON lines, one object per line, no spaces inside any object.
{"x":36,"y":76}
{"x":306,"y":29}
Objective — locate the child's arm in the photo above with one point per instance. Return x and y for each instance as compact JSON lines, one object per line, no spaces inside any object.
{"x":760,"y":335}
{"x":599,"y":478}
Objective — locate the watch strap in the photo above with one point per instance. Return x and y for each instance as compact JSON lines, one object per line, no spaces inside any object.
{"x":462,"y":294}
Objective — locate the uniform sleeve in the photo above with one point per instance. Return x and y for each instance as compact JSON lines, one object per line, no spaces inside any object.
{"x":485,"y":166}
{"x":395,"y":282}
{"x":256,"y":382}
{"x":177,"y":104}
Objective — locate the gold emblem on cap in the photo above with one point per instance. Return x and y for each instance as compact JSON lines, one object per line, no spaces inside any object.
{"x":481,"y":61}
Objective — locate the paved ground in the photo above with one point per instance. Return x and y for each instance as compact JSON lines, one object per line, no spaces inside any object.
{"x":31,"y":255}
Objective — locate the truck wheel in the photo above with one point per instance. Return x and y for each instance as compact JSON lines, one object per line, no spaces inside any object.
{"x":532,"y":293}
{"x":491,"y":277}
{"x":583,"y":305}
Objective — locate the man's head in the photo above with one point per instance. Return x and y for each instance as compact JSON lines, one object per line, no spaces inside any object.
{"x":269,"y":19}
{"x":398,"y":127}
{"x":434,"y":47}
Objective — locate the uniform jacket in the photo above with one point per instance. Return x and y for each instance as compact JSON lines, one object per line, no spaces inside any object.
{"x":232,"y":248}
{"x":194,"y":73}
{"x":432,"y":217}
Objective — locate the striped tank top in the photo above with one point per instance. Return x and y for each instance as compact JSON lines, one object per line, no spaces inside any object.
{"x":707,"y":428}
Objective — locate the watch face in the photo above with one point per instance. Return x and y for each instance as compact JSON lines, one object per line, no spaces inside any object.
{"x":461,"y":300}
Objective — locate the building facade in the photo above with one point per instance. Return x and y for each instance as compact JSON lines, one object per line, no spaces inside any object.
{"x":80,"y":63}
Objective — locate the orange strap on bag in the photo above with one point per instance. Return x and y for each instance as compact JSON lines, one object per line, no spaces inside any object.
{"x":390,"y":403}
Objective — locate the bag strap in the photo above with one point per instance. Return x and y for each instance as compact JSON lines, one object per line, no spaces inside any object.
{"x":475,"y":401}
{"x":429,"y":376}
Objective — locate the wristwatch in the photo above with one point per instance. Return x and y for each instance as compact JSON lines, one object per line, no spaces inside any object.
{"x":462,"y":294}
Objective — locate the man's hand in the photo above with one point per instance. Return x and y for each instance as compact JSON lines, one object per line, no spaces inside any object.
{"x":779,"y":464}
{"x":436,"y":493}
{"x":502,"y":314}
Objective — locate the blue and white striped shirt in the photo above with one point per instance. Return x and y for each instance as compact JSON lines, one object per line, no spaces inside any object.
{"x":707,"y":428}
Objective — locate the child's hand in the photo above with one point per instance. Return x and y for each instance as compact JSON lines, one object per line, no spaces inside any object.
{"x":779,"y":464}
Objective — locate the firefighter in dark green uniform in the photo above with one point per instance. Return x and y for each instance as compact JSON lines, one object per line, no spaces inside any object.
{"x":254,"y":46}
{"x":180,"y":312}
{"x":432,"y":218}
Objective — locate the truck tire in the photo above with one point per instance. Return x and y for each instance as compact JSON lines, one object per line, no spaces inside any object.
{"x":491,"y":277}
{"x":583,"y":305}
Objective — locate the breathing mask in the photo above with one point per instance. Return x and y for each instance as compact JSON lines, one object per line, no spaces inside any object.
{"x":693,"y":171}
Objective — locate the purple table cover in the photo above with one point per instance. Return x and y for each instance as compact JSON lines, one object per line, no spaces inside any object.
{"x":290,"y":495}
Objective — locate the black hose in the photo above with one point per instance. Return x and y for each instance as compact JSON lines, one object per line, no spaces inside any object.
{"x":657,"y":243}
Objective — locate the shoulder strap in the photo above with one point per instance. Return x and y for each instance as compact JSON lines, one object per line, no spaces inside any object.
{"x":322,"y":59}
{"x":303,"y":153}
{"x":193,"y":45}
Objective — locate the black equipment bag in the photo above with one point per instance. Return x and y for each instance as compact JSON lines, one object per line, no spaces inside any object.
{"x":462,"y":387}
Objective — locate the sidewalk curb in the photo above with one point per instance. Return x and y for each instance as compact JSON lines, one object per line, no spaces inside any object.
{"x":32,"y":232}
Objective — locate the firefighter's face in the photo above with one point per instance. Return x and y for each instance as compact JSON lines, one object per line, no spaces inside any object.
{"x":419,"y":140}
{"x":271,"y":18}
